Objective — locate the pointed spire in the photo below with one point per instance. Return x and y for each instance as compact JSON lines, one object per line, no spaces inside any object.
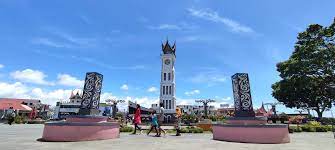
{"x":167,"y":49}
{"x":174,"y":46}
{"x":71,"y":94}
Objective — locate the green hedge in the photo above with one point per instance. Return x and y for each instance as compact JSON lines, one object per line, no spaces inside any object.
{"x":310,"y":128}
{"x":191,"y":130}
{"x":295,"y":129}
{"x":321,"y":129}
{"x":126,"y":129}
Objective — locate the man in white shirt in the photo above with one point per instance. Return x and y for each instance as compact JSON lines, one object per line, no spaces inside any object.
{"x":161,"y":119}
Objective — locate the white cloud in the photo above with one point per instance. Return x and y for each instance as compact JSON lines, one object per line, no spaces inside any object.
{"x":226,"y":98}
{"x":213,"y":16}
{"x":99,"y":63}
{"x":152,"y":89}
{"x":124,"y":87}
{"x":68,"y":80}
{"x":211,"y":78}
{"x":65,"y":40}
{"x":49,"y":42}
{"x":144,"y":101}
{"x":2,"y":66}
{"x":19,"y":90}
{"x":165,"y":27}
{"x":16,"y":89}
{"x":193,"y":92}
{"x":183,"y":26}
{"x":50,"y":97}
{"x":31,"y":76}
{"x":106,"y":95}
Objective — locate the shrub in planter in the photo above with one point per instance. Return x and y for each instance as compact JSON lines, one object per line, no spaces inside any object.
{"x":18,"y":119}
{"x":126,"y":129}
{"x":314,"y":123}
{"x":198,"y":130}
{"x":329,"y":127}
{"x":321,"y":129}
{"x":294,"y":129}
{"x":308,"y":128}
{"x":298,"y":129}
{"x":184,"y":130}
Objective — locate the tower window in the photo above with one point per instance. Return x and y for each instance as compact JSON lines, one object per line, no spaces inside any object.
{"x":163,"y":90}
{"x":169,"y":76}
{"x":170,"y":104}
{"x":164,"y":76}
{"x":170,"y":90}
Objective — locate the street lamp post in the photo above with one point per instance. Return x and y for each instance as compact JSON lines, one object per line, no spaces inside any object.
{"x":205,"y":102}
{"x":114,"y":103}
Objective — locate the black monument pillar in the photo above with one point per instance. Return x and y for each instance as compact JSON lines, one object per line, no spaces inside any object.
{"x":242,"y":96}
{"x":91,"y":94}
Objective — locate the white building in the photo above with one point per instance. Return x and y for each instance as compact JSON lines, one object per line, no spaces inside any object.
{"x":70,"y":107}
{"x":195,"y":109}
{"x":168,"y":84}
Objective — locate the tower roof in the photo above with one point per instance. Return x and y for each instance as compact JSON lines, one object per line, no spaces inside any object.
{"x":167,"y":49}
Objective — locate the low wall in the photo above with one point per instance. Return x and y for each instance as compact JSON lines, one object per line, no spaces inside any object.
{"x":80,"y":129}
{"x":267,"y":134}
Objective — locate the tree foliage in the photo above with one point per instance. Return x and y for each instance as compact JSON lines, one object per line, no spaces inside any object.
{"x":308,"y":76}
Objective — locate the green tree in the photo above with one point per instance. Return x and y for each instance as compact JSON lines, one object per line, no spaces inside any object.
{"x":308,"y":76}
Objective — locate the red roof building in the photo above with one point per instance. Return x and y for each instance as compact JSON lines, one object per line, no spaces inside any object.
{"x":17,"y":104}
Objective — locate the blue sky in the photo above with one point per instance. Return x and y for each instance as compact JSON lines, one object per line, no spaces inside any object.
{"x":47,"y":47}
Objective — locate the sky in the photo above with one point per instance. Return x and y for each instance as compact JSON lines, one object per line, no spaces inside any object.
{"x":48,"y":46}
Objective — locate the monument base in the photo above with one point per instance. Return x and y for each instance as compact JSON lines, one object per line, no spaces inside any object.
{"x":89,"y":112}
{"x":251,"y":130}
{"x":80,"y":128}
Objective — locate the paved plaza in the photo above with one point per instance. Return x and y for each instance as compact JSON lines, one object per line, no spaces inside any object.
{"x":19,"y":137}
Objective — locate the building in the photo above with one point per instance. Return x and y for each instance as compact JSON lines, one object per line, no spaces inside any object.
{"x":145,"y":112}
{"x":168,"y":84}
{"x":24,"y":107}
{"x":226,"y":111}
{"x":187,"y":109}
{"x":196,"y":109}
{"x":70,"y":107}
{"x":262,"y":112}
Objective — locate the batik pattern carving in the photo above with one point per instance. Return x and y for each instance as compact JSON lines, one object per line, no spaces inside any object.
{"x":92,"y":90}
{"x":245,"y":91}
{"x":236,"y":94}
{"x":242,"y":96}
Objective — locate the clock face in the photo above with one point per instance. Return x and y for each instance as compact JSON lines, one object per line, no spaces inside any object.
{"x":167,"y":61}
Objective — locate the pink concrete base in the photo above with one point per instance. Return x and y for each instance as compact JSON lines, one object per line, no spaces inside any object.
{"x":246,"y":122}
{"x":266,"y":134}
{"x":80,"y":129}
{"x":92,"y":119}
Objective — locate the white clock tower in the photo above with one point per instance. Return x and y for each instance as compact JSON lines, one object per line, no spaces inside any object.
{"x":168,"y":84}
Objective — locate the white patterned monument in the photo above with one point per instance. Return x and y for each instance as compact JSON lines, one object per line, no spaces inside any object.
{"x":242,"y":95}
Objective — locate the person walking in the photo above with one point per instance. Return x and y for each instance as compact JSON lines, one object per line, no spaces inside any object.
{"x":161,"y":119}
{"x":154,"y":123}
{"x":10,"y":115}
{"x":137,"y":119}
{"x":178,"y":121}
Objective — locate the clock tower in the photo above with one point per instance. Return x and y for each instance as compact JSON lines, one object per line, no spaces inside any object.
{"x":168,"y":84}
